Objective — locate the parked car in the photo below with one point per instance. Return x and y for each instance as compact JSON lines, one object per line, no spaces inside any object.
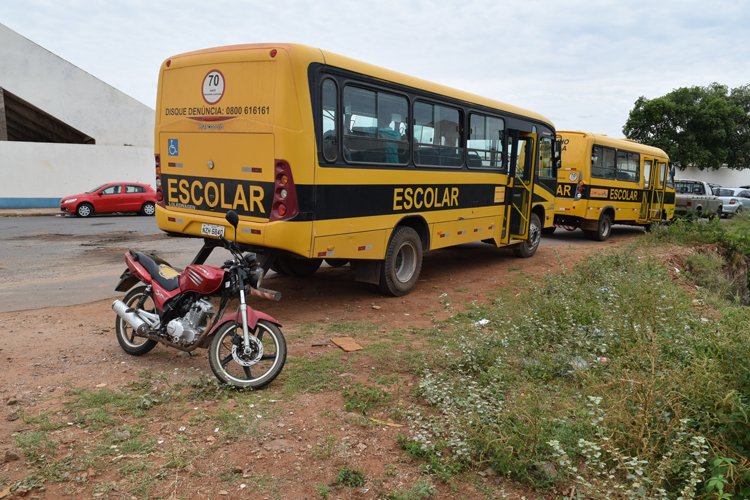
{"x":733,"y":200}
{"x":696,"y":198}
{"x":112,"y":197}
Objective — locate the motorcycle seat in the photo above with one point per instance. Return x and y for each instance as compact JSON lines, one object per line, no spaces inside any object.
{"x":160,"y":271}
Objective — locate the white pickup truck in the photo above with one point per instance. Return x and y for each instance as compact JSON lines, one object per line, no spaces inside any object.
{"x":696,"y":198}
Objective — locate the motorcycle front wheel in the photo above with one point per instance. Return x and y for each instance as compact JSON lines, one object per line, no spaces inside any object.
{"x":255,"y":368}
{"x":126,"y":337}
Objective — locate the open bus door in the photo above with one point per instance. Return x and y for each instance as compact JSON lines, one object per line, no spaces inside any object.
{"x":652,"y":202}
{"x":520,"y":185}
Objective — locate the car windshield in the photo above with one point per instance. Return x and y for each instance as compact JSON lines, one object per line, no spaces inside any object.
{"x":97,"y":188}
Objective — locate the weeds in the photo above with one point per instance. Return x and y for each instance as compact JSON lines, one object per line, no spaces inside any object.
{"x":362,"y":399}
{"x":517,"y":392}
{"x":352,"y":478}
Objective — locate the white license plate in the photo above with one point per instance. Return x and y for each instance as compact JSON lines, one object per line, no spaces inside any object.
{"x":212,"y":230}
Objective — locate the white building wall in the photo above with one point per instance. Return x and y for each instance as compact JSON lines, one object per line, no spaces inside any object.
{"x":71,"y":95}
{"x":726,"y":177}
{"x":39,"y":174}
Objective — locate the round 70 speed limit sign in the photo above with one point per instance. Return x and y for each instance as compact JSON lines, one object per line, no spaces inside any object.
{"x":213,"y":86}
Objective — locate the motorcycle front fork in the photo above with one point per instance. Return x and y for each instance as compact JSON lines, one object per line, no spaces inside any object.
{"x":245,"y":329}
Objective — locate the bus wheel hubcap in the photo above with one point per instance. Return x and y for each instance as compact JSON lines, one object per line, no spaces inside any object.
{"x":406,"y":263}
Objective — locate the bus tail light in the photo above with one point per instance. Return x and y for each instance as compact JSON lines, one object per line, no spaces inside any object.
{"x":579,"y":191}
{"x":285,"y":204}
{"x":159,"y":193}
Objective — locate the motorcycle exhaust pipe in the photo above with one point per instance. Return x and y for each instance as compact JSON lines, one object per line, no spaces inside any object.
{"x":130,"y":317}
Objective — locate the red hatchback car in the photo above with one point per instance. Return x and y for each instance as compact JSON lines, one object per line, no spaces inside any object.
{"x":112,"y":197}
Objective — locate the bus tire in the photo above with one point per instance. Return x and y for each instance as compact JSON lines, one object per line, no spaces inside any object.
{"x":337,"y":262}
{"x":297,"y":266}
{"x":603,"y":228}
{"x":530,"y":246}
{"x":402,"y":263}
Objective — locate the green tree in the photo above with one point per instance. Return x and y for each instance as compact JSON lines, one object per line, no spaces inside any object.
{"x":707,"y":127}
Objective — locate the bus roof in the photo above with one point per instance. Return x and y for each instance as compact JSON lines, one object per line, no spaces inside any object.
{"x":310,"y":54}
{"x":622,"y":143}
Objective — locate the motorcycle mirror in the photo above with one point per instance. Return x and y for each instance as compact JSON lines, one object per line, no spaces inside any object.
{"x":233,"y":218}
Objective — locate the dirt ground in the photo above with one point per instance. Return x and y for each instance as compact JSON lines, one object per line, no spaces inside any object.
{"x":294,"y":443}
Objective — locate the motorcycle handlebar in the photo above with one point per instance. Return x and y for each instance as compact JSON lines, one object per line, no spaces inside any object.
{"x":265,"y":293}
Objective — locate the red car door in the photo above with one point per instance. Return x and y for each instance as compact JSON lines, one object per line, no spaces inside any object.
{"x":109,"y":199}
{"x":133,"y":198}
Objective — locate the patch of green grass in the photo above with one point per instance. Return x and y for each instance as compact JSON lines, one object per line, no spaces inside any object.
{"x":43,"y":422}
{"x":233,"y":426}
{"x":306,"y":375}
{"x":351,"y":328}
{"x":35,"y":445}
{"x":610,"y":356}
{"x":421,"y":489}
{"x":362,"y":398}
{"x":352,"y":478}
{"x":323,"y":491}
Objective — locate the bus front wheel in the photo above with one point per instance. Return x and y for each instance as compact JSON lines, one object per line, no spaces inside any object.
{"x":402,"y":263}
{"x":529,"y":247}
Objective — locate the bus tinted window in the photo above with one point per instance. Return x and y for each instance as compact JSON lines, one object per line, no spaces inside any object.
{"x":375,"y":126}
{"x":329,"y":112}
{"x":484,"y":145}
{"x":603,"y":162}
{"x":437,"y":136}
{"x":627,"y":166}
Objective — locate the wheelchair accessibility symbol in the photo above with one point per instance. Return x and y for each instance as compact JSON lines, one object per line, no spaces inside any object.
{"x":173,"y":148}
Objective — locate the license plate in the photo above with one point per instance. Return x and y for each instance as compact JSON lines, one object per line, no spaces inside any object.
{"x":212,"y":230}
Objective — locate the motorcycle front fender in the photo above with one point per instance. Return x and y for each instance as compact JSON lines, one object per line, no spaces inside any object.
{"x":127,"y":281}
{"x":253,"y":317}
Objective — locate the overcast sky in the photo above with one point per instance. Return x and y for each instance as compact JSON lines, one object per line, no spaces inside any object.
{"x":582,"y":63}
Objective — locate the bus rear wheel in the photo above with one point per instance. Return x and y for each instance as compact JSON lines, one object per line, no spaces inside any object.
{"x":402,"y":263}
{"x":603,"y":228}
{"x":296,"y":266}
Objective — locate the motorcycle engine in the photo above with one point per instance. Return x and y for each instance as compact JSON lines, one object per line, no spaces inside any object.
{"x":185,"y":329}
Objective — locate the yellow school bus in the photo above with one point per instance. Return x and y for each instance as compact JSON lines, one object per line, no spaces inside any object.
{"x":604,"y":181}
{"x":328,"y":158}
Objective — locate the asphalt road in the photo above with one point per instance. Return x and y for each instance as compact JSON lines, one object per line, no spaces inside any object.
{"x":57,"y":261}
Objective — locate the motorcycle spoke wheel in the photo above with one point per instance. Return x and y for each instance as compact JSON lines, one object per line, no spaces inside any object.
{"x":233,"y":366}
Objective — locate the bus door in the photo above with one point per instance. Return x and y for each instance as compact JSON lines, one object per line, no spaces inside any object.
{"x":652,"y":204}
{"x":648,"y":166}
{"x":659,"y":181}
{"x":520,"y":184}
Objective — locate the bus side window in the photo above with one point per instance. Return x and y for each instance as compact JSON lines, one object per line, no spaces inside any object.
{"x":437,"y":140}
{"x":603,"y":162}
{"x":376,"y":126}
{"x":329,"y":120}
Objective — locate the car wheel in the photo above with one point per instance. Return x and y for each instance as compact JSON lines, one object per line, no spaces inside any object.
{"x":85,"y":210}
{"x":148,"y":209}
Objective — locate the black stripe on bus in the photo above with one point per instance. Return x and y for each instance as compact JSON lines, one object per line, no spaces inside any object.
{"x":324,"y":202}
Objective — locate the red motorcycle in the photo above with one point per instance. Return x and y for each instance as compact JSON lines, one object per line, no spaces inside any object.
{"x":245,"y":347}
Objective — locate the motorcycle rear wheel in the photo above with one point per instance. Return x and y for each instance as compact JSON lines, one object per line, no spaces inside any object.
{"x":225,"y":365}
{"x":131,"y":343}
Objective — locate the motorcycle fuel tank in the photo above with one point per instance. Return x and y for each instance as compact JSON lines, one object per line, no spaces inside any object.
{"x":202,"y":279}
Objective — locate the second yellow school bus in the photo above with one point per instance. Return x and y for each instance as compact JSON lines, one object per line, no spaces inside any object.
{"x":326,"y":157}
{"x":604,"y":181}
